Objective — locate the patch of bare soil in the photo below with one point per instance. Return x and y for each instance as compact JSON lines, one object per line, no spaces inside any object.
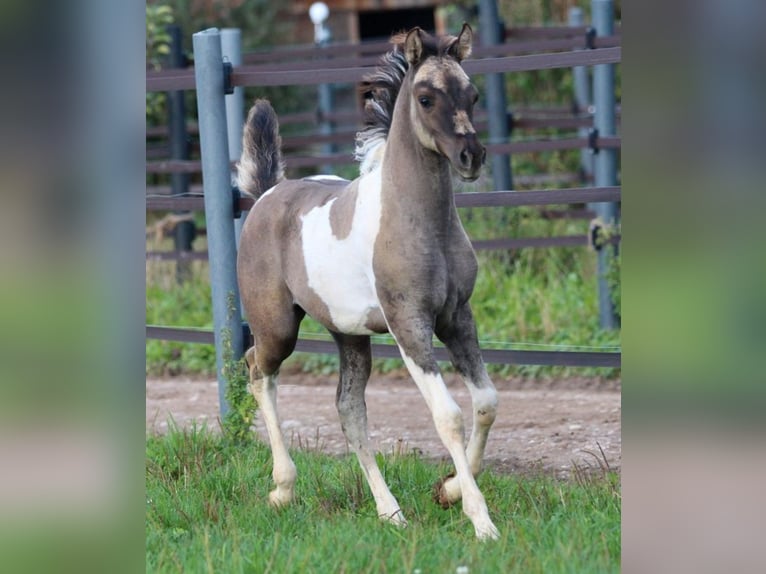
{"x":541,"y":427}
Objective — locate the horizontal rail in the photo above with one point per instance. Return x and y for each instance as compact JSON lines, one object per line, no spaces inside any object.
{"x":321,"y":58}
{"x":176,"y":255}
{"x":538,"y":197}
{"x":519,"y":47}
{"x":525,"y":242}
{"x":527,"y":117}
{"x":308,"y":51}
{"x":544,"y":61}
{"x":383,"y":351}
{"x":550,"y":31}
{"x":471,"y":199}
{"x":347,"y":135}
{"x":533,"y":146}
{"x":294,"y":161}
{"x":183,"y":79}
{"x":508,"y":243}
{"x":512,"y":35}
{"x":532,"y":180}
{"x":517,"y":35}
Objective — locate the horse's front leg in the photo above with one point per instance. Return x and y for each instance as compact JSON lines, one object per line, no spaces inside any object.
{"x":458,"y":333}
{"x":413,"y":336}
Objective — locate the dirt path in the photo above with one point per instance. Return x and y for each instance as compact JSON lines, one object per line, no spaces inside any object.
{"x":540,"y":426}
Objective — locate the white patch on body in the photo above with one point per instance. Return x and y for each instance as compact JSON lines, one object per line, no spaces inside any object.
{"x":324,"y":177}
{"x":339,"y":271}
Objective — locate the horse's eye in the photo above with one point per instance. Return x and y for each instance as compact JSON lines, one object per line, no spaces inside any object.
{"x":425,"y":102}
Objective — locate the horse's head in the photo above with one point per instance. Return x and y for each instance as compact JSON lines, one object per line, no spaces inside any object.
{"x":442,"y":99}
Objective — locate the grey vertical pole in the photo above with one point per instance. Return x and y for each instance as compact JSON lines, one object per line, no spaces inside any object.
{"x":490,"y":23}
{"x":216,"y":179}
{"x":231,"y":49}
{"x":326,"y":103}
{"x":326,"y":127}
{"x":606,"y":159}
{"x":179,"y":149}
{"x":582,"y":96}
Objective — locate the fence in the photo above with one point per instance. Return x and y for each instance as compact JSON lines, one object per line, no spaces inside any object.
{"x":214,"y":78}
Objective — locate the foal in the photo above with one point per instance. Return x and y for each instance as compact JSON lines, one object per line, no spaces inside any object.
{"x":383,"y":253}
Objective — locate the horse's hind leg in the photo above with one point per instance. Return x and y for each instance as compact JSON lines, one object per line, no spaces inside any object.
{"x":273,"y":344}
{"x":355,"y":364}
{"x":459,"y":336}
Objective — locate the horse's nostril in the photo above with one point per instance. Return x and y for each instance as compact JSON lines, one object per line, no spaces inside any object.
{"x":465,"y":157}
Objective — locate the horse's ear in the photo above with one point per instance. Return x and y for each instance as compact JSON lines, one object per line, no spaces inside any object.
{"x":413,"y":46}
{"x":462,"y":46}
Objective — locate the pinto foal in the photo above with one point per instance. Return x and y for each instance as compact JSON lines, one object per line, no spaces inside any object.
{"x":383,"y":253}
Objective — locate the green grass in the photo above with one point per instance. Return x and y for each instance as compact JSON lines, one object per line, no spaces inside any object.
{"x":206,"y":511}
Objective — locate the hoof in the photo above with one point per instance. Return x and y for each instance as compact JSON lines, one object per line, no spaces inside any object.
{"x":440,"y":493}
{"x":487,"y":532}
{"x":396,"y":518}
{"x":279,"y":499}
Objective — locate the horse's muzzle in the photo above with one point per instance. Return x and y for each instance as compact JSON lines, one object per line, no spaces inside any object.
{"x":470,"y":159}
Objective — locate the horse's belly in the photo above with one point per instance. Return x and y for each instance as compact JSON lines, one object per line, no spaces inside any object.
{"x":348,"y":298}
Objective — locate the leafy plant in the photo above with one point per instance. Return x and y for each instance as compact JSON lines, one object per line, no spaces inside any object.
{"x":238,"y":422}
{"x":158,"y":18}
{"x":603,"y":235}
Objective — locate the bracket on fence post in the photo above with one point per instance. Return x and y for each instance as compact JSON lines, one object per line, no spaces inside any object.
{"x":228,"y":88}
{"x":590,"y":37}
{"x":216,"y":180}
{"x":593,"y":140}
{"x":236,"y":195}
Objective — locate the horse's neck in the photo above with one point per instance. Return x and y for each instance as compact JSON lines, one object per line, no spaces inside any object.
{"x":415,"y":179}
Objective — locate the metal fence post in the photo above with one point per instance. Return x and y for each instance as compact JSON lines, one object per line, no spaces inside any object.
{"x":179,"y":149}
{"x":582,"y":96}
{"x":319,"y":13}
{"x":497,"y":110}
{"x":231,"y":50}
{"x":216,"y":179}
{"x":605,"y":163}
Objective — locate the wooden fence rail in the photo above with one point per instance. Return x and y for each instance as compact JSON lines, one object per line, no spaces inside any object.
{"x":183,"y":79}
{"x":384,"y":351}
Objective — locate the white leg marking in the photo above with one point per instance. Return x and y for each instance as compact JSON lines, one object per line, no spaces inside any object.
{"x":354,"y":422}
{"x":387,"y":507}
{"x":484,"y":402}
{"x":265,"y":392}
{"x":449,"y":424}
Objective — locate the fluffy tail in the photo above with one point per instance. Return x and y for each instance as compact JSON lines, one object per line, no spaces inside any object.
{"x":260,"y":167}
